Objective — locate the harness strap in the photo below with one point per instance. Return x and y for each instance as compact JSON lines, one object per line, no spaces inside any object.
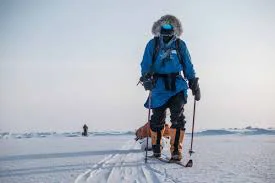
{"x":156,"y":50}
{"x":180,"y":55}
{"x":169,"y":80}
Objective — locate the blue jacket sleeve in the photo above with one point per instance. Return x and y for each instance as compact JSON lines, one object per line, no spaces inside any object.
{"x":147,"y":58}
{"x":189,"y":69}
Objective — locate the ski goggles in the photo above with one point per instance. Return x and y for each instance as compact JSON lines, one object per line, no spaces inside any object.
{"x":167,"y":30}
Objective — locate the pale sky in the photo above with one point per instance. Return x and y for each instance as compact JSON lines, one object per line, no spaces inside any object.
{"x":64,"y":63}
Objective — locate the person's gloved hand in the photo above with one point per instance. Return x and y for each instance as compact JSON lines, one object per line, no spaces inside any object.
{"x":147,"y":82}
{"x":194,"y":86}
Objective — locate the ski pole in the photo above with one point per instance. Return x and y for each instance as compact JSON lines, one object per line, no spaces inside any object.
{"x":190,"y":162}
{"x":149,"y":114}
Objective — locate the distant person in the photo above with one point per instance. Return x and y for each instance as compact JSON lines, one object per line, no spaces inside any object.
{"x":165,"y":57}
{"x":85,"y":130}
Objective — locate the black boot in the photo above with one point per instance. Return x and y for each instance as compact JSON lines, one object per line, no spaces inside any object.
{"x":157,"y":150}
{"x":177,"y":136}
{"x":156,"y":141}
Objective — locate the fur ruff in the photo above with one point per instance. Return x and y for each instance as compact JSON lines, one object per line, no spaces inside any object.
{"x":167,"y":19}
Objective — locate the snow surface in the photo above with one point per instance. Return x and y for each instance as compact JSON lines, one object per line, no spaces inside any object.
{"x":118,"y":158}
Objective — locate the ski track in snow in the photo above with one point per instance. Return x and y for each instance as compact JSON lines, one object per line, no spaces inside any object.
{"x":230,"y":159}
{"x":126,"y":168}
{"x":228,"y":162}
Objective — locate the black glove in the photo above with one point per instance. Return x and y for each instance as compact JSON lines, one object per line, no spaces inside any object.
{"x":194,"y":86}
{"x":147,"y":82}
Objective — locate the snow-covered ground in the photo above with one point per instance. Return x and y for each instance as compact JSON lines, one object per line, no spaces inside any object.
{"x":118,"y":158}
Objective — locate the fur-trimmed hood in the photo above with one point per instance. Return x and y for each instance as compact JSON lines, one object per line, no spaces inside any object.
{"x":167,"y":19}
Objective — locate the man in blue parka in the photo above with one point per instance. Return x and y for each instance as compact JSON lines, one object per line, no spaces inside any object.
{"x":165,"y":57}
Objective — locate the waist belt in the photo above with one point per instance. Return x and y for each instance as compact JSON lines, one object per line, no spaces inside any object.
{"x":169,"y":80}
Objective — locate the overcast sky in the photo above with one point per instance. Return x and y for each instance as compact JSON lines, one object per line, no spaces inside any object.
{"x":66,"y":63}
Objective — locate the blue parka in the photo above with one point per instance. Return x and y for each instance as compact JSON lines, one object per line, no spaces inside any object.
{"x":159,"y":94}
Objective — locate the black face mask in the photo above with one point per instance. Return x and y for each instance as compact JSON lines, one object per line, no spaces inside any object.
{"x":166,"y":39}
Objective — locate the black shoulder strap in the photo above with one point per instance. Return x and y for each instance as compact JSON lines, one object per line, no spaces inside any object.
{"x":180,"y":56}
{"x":156,"y":49}
{"x":155,"y":53}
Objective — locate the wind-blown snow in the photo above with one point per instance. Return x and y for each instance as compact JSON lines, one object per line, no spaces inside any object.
{"x":118,"y":158}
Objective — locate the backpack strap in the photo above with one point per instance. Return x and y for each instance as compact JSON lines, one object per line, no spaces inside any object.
{"x":180,"y":56}
{"x":156,"y":50}
{"x":155,"y":53}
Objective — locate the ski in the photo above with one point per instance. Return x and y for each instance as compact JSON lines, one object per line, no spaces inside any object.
{"x":177,"y":162}
{"x":166,"y":160}
{"x":160,"y":159}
